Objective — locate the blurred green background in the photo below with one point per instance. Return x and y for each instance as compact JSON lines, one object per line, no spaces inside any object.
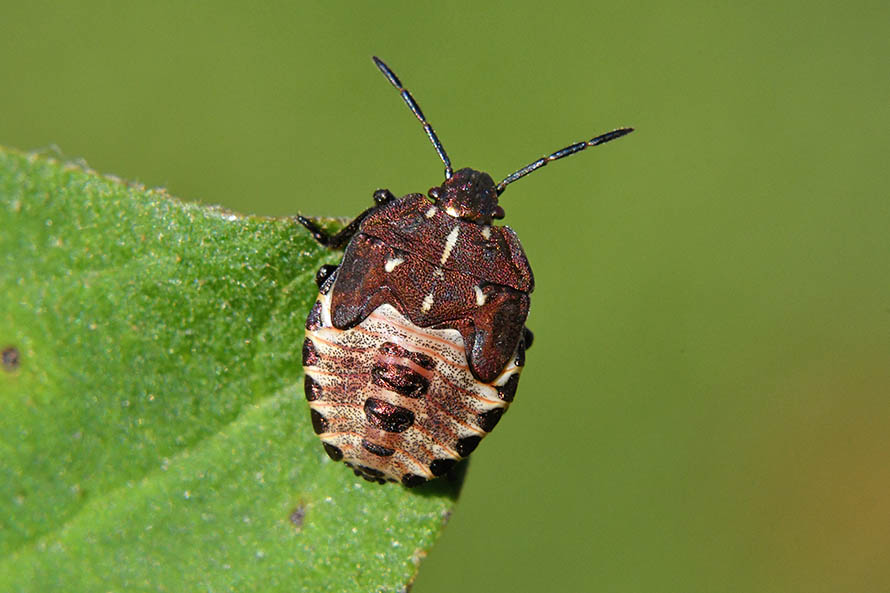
{"x":707,"y":403}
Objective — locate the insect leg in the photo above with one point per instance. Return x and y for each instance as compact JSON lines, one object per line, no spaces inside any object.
{"x":324,"y":273}
{"x":383,"y":196}
{"x":339,"y":240}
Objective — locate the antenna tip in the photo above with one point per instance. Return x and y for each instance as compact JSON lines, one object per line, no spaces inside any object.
{"x":608,"y":136}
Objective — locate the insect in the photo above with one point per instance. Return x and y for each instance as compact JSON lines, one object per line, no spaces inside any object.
{"x":414,"y":346}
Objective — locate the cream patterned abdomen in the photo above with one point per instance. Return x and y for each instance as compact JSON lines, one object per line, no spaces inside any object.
{"x":397,"y":402}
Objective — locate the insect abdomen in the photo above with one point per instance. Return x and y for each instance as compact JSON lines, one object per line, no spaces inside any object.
{"x":395,"y":401}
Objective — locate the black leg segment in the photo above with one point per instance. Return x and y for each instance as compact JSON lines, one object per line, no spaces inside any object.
{"x":338,"y":240}
{"x":342,"y":238}
{"x":324,"y":273}
{"x":383,"y":196}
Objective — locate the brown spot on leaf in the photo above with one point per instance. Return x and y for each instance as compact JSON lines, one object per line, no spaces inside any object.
{"x":298,"y":516}
{"x":11,"y":358}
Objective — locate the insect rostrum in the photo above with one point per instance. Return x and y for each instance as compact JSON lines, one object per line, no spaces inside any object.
{"x":414,"y":346}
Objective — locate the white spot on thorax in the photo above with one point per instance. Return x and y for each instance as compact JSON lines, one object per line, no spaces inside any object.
{"x":438,"y":272}
{"x":480,"y":296}
{"x":431,"y":212}
{"x":392,"y":263}
{"x":427,"y":303}
{"x":486,"y":232}
{"x":450,"y":241}
{"x":452,"y":212}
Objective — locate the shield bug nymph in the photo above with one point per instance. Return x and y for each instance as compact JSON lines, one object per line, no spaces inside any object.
{"x":414,"y":346}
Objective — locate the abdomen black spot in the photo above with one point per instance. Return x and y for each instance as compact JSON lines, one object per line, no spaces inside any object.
{"x":400,"y":379}
{"x":312,"y":388}
{"x":467,"y":445}
{"x":319,"y":422}
{"x":310,"y":355}
{"x":488,"y":420}
{"x":376,"y":449}
{"x":420,"y":359}
{"x":507,"y":391}
{"x":388,"y":417}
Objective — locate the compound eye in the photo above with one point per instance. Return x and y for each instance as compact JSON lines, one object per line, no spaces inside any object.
{"x":433,"y":193}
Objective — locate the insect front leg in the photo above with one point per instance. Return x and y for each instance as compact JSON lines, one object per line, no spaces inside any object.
{"x":383,"y":196}
{"x":342,"y":238}
{"x":324,"y":273}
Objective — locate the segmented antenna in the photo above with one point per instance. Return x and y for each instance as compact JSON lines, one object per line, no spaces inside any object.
{"x":415,"y":109}
{"x":568,"y":150}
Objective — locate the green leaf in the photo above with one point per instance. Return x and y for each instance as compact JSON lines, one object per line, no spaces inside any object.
{"x":154,"y":430}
